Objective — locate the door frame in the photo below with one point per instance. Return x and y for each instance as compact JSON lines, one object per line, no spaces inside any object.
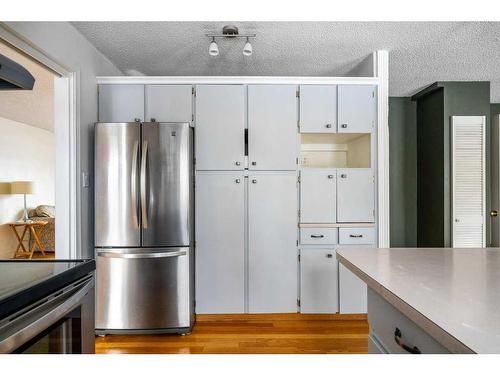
{"x":66,"y":125}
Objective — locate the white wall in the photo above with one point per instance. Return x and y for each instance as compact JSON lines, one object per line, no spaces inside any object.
{"x":64,"y":44}
{"x":27,"y":153}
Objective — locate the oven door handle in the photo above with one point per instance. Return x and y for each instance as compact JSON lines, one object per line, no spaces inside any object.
{"x":27,"y":326}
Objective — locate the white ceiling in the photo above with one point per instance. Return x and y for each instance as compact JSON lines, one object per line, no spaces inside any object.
{"x":420,"y":52}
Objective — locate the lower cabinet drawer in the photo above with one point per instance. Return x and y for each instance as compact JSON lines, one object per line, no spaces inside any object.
{"x":357,"y":236}
{"x":318,"y":236}
{"x":395,"y":332}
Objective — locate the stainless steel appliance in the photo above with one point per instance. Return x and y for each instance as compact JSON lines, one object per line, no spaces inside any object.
{"x":144,"y":227}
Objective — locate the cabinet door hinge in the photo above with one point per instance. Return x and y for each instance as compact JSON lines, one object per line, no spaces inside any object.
{"x":297,"y":242}
{"x":298,"y":125}
{"x":373,"y":94}
{"x":298,"y":256}
{"x":298,"y":302}
{"x":298,"y":213}
{"x":193,"y":91}
{"x":298,"y":94}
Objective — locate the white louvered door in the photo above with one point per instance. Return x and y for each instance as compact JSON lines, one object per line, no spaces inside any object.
{"x":468,"y":181}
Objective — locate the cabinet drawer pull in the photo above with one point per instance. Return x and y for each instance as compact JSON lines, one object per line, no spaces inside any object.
{"x":328,"y":126}
{"x":344,"y":126}
{"x":343,"y":175}
{"x":329,"y":255}
{"x":254,"y":181}
{"x":317,"y":236}
{"x":399,"y":341}
{"x":254,"y":163}
{"x":237,"y":180}
{"x":356,"y":235}
{"x":330,"y":176}
{"x":237,"y":163}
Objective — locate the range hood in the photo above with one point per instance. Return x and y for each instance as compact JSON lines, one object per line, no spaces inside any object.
{"x":13,"y":76}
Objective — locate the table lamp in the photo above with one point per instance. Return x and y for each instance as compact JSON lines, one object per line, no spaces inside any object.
{"x":23,"y":187}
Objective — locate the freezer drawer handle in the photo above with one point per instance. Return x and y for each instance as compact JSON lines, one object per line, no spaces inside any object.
{"x":143,"y":185}
{"x":356,"y":235}
{"x":167,"y":254}
{"x":133,"y":183}
{"x":399,"y":341}
{"x":317,"y":236}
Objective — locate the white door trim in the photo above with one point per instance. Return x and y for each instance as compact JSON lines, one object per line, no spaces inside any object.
{"x":70,"y":244}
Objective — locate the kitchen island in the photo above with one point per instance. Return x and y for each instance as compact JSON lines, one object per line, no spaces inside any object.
{"x":430,"y":300}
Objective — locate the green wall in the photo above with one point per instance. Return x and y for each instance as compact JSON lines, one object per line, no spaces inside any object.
{"x":403,"y":171}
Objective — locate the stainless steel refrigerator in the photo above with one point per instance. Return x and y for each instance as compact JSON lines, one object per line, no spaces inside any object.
{"x":144,"y":227}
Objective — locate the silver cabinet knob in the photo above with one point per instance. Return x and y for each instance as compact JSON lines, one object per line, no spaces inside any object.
{"x":343,"y":175}
{"x":330,"y":176}
{"x":153,"y":119}
{"x":254,"y":163}
{"x":237,"y":180}
{"x":328,"y":126}
{"x":344,"y":126}
{"x":237,"y":163}
{"x":137,"y":119}
{"x":254,"y":181}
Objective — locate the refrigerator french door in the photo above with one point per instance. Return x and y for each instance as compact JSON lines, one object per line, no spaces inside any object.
{"x":143,"y":227}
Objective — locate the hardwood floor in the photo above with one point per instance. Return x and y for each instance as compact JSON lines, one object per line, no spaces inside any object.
{"x":252,"y":334}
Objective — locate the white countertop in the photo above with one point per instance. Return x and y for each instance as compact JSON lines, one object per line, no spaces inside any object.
{"x":453,"y":294}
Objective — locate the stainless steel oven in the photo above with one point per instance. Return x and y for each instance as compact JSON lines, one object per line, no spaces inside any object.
{"x":60,"y":323}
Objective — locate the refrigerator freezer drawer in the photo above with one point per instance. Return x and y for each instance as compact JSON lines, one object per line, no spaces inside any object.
{"x":143,"y":289}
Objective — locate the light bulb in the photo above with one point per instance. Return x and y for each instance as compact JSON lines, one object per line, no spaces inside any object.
{"x":213,"y":50}
{"x":247,"y":50}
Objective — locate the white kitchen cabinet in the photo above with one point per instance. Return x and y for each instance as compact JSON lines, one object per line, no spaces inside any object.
{"x":352,"y":292}
{"x":220,"y":242}
{"x":318,"y":197}
{"x":169,"y":103}
{"x":272,"y":242}
{"x":355,"y":195}
{"x":272,"y":127}
{"x":121,"y":103}
{"x":318,"y":108}
{"x":357,"y":108}
{"x":220,"y":127}
{"x":318,"y":281}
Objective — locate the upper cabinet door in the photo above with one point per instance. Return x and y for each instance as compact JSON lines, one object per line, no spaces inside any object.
{"x":121,"y":103}
{"x":169,"y":103}
{"x":272,"y":127}
{"x":220,"y":127}
{"x":318,"y":109}
{"x":318,"y":195}
{"x":357,"y":109}
{"x":355,"y":195}
{"x":272,"y":242}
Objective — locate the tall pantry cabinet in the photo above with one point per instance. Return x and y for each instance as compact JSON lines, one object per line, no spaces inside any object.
{"x":246,"y":228}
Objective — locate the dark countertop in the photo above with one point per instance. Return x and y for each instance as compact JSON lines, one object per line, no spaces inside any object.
{"x":23,"y":282}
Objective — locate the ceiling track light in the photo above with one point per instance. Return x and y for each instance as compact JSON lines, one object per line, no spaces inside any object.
{"x":230,"y":32}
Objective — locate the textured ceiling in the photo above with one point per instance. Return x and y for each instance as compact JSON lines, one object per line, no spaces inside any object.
{"x":420,"y":52}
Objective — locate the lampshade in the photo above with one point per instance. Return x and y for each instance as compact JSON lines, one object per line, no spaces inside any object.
{"x":22,"y":187}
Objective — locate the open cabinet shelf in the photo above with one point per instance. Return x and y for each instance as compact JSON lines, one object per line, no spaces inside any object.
{"x":346,"y":150}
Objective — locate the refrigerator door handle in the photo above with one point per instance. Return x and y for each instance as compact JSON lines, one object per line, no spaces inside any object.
{"x":144,"y":207}
{"x":165,"y":254}
{"x":133,"y":183}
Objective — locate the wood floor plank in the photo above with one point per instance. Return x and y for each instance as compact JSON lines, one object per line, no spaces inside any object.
{"x":252,"y":334}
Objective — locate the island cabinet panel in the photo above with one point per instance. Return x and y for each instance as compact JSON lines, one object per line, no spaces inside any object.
{"x":357,"y":108}
{"x":272,"y":242}
{"x":220,"y":242}
{"x":169,"y":103}
{"x":220,"y":127}
{"x":318,"y":109}
{"x":272,"y":127}
{"x":318,"y":281}
{"x":355,"y":195}
{"x":395,"y":333}
{"x":318,"y":197}
{"x":121,"y":103}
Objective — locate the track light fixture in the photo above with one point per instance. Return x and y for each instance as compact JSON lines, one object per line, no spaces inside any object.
{"x":230,"y":32}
